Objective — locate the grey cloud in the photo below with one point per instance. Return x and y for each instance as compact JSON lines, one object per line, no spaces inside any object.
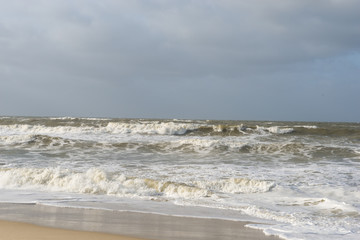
{"x":203,"y":38}
{"x":160,"y":49}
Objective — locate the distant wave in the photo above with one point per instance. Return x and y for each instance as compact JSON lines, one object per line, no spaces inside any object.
{"x":205,"y":145}
{"x":150,"y":128}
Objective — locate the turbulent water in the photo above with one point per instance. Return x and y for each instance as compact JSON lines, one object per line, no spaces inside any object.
{"x":301,"y":179}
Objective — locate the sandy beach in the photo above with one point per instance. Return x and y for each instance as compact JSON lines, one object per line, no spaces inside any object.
{"x":39,"y":222}
{"x":25,"y":231}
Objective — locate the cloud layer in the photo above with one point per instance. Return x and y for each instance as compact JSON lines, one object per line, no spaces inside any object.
{"x":203,"y":59}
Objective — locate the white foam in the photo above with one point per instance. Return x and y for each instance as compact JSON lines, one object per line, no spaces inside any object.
{"x":237,"y":185}
{"x":207,"y":144}
{"x":139,"y":127}
{"x":228,"y":128}
{"x":306,"y":186}
{"x":163,"y":128}
{"x":35,"y":141}
{"x":307,"y":126}
{"x":290,"y":210}
{"x":94,"y":181}
{"x":26,"y":129}
{"x":79,"y":118}
{"x":15,"y":139}
{"x":97,"y":181}
{"x":274,"y":129}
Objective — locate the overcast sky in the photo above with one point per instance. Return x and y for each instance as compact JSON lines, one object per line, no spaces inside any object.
{"x":204,"y":59}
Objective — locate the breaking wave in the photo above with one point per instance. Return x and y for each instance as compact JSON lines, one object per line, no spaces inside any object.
{"x":61,"y":125}
{"x":208,"y":145}
{"x":274,"y":129}
{"x":161,"y":128}
{"x":141,"y":127}
{"x":45,"y":142}
{"x":237,"y":185}
{"x":97,"y":181}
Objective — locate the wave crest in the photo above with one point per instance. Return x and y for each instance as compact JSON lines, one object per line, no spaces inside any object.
{"x":161,"y":128}
{"x":238,"y":185}
{"x":97,"y":181}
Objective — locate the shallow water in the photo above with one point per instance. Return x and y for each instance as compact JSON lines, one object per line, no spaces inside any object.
{"x":301,"y":177}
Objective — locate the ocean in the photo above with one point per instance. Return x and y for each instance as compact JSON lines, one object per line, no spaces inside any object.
{"x":297,"y":180}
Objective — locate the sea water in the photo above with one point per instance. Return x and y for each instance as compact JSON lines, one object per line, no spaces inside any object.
{"x":297,"y":180}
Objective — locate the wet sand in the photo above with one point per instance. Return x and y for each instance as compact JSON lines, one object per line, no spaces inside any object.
{"x":49,"y":223}
{"x":25,"y":231}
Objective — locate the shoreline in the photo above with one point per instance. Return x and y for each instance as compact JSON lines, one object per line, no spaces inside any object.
{"x":19,"y":230}
{"x":122,"y":225}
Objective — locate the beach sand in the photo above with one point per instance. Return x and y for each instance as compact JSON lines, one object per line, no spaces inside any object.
{"x":51,"y":223}
{"x":24,"y":231}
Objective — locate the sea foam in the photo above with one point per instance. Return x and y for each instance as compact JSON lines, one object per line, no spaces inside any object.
{"x":299,"y":178}
{"x":97,"y":181}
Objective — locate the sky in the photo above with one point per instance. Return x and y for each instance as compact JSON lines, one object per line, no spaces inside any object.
{"x":291,"y":60}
